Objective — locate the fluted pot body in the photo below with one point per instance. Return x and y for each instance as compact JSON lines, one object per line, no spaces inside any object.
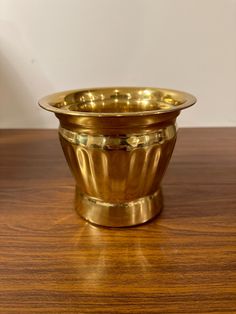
{"x":118,"y":143}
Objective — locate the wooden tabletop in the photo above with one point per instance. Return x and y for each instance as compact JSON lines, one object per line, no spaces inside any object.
{"x":52,"y":261}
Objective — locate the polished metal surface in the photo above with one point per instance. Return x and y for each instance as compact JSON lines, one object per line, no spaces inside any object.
{"x":123,"y":214}
{"x":118,"y":143}
{"x":126,"y":142}
{"x":117,"y":101}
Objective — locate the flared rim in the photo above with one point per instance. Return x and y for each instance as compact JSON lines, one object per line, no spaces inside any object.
{"x":117,"y":101}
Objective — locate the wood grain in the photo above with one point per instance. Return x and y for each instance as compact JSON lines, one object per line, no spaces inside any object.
{"x":51,"y":261}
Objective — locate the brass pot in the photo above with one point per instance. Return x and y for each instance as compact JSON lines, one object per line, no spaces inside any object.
{"x":118,"y":143}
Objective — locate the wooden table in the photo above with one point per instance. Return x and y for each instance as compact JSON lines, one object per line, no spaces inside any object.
{"x":52,"y":261}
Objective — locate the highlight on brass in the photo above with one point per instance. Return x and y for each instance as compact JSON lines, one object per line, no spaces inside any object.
{"x":118,"y":143}
{"x":117,"y":101}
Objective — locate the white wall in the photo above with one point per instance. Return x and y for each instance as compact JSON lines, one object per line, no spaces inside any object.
{"x":52,"y":45}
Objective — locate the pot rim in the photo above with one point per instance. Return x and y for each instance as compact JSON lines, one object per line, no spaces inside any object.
{"x":174,"y":100}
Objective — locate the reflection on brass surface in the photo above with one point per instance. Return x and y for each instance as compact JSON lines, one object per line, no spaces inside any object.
{"x":126,"y":142}
{"x":123,"y":214}
{"x":118,"y":143}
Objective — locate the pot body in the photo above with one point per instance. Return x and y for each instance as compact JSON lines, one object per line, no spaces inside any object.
{"x":118,"y":164}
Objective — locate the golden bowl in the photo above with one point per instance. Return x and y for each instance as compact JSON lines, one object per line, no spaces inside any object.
{"x":118,"y":142}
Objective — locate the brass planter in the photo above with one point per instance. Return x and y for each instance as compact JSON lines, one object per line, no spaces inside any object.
{"x":118,"y":143}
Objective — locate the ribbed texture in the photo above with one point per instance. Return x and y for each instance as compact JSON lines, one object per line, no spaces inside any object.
{"x":119,"y":175}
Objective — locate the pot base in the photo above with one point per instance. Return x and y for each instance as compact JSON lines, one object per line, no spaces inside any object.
{"x":127,"y":214}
